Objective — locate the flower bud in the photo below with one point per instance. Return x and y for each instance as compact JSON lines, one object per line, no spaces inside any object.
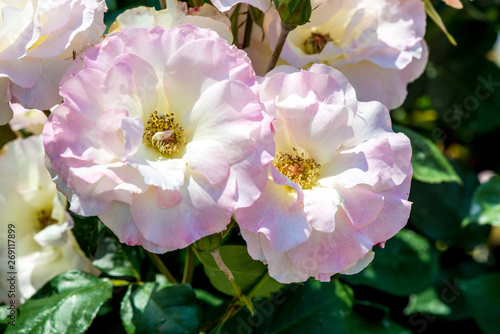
{"x":294,"y":12}
{"x":208,"y":243}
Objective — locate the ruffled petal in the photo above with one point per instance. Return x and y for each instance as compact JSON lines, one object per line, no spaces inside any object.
{"x":275,"y":216}
{"x":204,"y":210}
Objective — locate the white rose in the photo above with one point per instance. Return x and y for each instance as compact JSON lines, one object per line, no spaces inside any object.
{"x":378,"y":45}
{"x":38,"y":40}
{"x":32,"y":207}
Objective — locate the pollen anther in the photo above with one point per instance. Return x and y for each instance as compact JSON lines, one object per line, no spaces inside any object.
{"x":164,"y":134}
{"x":297,"y":168}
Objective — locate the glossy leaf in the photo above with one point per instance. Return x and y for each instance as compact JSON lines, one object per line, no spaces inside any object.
{"x":314,"y":307}
{"x":429,"y":164}
{"x":483,"y":296}
{"x":160,"y":308}
{"x":67,"y":304}
{"x":112,"y":258}
{"x":427,"y":301}
{"x":407,"y":264}
{"x":485,"y":206}
{"x":248,"y":273}
{"x":438,"y":210}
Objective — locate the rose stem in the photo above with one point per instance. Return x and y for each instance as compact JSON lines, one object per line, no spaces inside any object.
{"x":161,"y":266}
{"x":285,"y":29}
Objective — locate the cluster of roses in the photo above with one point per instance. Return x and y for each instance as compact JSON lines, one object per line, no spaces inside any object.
{"x":166,"y":132}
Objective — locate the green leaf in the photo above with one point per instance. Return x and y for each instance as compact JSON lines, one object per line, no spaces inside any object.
{"x":442,"y":222}
{"x":4,"y":313}
{"x":314,"y":307}
{"x":483,"y":296}
{"x":208,"y":298}
{"x":407,"y":264}
{"x":247,"y":272}
{"x":258,"y":17}
{"x":112,"y":259}
{"x":5,"y":317}
{"x":160,"y":308}
{"x":485,"y":206}
{"x":429,"y":164}
{"x":67,"y":304}
{"x":427,"y":301}
{"x":87,"y":231}
{"x":127,"y":312}
{"x":433,"y":14}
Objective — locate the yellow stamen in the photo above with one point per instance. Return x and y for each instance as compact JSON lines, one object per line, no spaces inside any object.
{"x":297,"y":168}
{"x":164,"y":134}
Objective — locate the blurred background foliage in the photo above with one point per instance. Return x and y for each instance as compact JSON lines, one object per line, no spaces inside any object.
{"x":441,"y":273}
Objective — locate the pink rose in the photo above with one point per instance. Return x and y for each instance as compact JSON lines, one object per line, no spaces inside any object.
{"x":340,"y":178}
{"x":160,"y":135}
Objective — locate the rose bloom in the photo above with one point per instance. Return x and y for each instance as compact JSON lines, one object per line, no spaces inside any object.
{"x":38,"y":40}
{"x":378,"y":45}
{"x":161,"y":135}
{"x":225,"y":5}
{"x":44,"y":244}
{"x":175,"y":14}
{"x":339,"y":181}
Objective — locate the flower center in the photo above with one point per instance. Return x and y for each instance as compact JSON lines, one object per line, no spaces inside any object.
{"x":297,"y":168}
{"x":164,"y":134}
{"x":316,"y":43}
{"x":44,"y":219}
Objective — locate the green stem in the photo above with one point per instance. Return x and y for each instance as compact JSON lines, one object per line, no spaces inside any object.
{"x":285,"y":29}
{"x":161,"y":266}
{"x":187,"y":277}
{"x":120,"y":282}
{"x":248,"y":31}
